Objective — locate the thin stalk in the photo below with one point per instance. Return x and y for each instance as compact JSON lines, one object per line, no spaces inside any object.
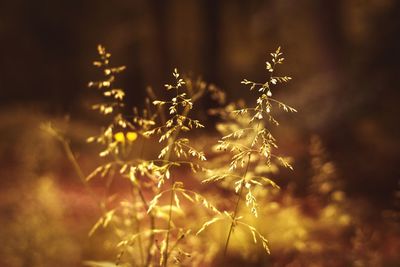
{"x":151,"y":217}
{"x":236,"y":206}
{"x":152,"y":226}
{"x":78,"y":170}
{"x":240,"y":195}
{"x":136,"y":186}
{"x":169,"y":223}
{"x":167,"y":157}
{"x":140,"y":243}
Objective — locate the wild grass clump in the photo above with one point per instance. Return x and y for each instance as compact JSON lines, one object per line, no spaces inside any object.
{"x":165,"y":218}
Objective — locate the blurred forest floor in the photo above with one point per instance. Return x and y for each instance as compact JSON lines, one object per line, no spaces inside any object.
{"x":46,"y":213}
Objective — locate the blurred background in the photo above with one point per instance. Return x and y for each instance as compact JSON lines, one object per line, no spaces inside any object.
{"x":342,"y":55}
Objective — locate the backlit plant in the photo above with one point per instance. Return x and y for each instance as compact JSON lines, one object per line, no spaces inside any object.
{"x":250,"y":142}
{"x":149,"y":227}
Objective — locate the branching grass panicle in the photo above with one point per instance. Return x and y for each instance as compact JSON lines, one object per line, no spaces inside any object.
{"x":251,"y":144}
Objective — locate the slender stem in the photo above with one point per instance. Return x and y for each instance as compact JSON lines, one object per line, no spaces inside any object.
{"x":150,"y":214}
{"x":239,"y":195}
{"x":78,"y":171}
{"x":152,"y":225}
{"x":236,"y":206}
{"x":140,"y":243}
{"x":137,"y":220}
{"x":169,"y":223}
{"x":167,"y":157}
